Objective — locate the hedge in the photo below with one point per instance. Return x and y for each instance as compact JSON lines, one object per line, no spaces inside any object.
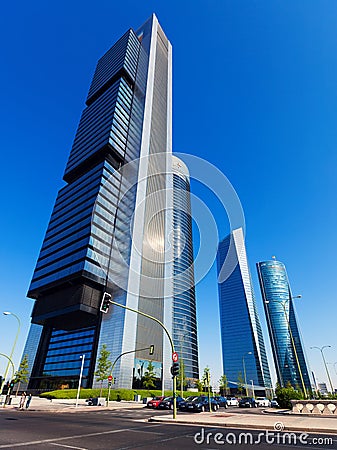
{"x":124,"y":394}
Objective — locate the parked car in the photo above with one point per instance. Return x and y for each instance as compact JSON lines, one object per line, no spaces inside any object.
{"x":167,"y":403}
{"x":274,"y":403}
{"x":232,"y":401}
{"x":155,"y":402}
{"x":247,"y":402}
{"x":183,"y":404}
{"x":201,"y":404}
{"x":262,"y":401}
{"x":222,"y":401}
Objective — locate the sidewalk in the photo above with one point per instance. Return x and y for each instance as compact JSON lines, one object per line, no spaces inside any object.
{"x":280,"y":423}
{"x":68,"y":405}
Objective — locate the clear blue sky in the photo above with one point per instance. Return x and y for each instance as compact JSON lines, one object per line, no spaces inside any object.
{"x":255,"y":93}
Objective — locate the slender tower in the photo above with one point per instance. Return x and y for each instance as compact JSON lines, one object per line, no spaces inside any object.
{"x":243,"y":348}
{"x":284,"y":333}
{"x":184,"y":302}
{"x":108,"y":228}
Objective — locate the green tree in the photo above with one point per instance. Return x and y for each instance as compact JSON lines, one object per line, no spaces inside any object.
{"x":241,"y":383}
{"x":149,"y":377}
{"x":223,"y":385}
{"x":199,"y":385}
{"x":21,"y":375}
{"x":103,"y":366}
{"x":284,"y":395}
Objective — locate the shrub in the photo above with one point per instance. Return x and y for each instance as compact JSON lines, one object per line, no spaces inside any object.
{"x":124,"y":394}
{"x":284,"y":395}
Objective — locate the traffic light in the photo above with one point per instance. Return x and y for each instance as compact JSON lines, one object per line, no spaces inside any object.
{"x":151,"y":350}
{"x":175,"y":369}
{"x":105,"y":302}
{"x":11,"y":384}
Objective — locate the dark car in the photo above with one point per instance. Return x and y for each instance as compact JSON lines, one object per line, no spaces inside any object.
{"x":201,"y":404}
{"x":167,"y":403}
{"x":222,"y":401}
{"x":155,"y":402}
{"x":247,"y":402}
{"x":183,"y":404}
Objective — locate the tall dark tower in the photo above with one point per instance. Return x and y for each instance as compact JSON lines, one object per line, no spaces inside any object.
{"x":108,"y":228}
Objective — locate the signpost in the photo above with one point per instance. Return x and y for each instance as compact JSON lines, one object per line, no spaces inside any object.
{"x":175,"y":357}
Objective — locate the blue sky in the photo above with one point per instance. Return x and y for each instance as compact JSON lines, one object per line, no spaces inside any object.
{"x":254,"y":93}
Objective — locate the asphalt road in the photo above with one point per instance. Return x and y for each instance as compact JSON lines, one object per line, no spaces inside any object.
{"x":124,"y":429}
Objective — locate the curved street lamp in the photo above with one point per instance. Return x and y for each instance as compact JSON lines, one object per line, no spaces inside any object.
{"x":325,"y":364}
{"x":8,"y":313}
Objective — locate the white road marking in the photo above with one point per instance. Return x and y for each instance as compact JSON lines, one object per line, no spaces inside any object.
{"x":78,"y":436}
{"x":68,"y":446}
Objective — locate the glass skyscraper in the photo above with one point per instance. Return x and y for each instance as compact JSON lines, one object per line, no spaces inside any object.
{"x":243,"y":348}
{"x":286,"y":342}
{"x":184,"y":304}
{"x":109,"y":226}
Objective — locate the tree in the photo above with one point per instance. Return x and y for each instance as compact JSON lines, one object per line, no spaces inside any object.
{"x":199,"y":385}
{"x":103,"y":366}
{"x":241,"y":383}
{"x":223,"y":385}
{"x":149,"y":377}
{"x":21,"y":375}
{"x":285,"y":395}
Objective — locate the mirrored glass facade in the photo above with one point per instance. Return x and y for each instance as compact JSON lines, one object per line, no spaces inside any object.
{"x":184,"y":303}
{"x":241,"y":334}
{"x":282,"y":325}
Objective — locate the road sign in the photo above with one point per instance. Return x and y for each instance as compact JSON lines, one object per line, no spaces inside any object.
{"x":175,"y":357}
{"x":110,"y":378}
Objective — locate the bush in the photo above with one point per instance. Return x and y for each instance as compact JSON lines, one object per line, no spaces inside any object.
{"x":284,"y":395}
{"x":124,"y":394}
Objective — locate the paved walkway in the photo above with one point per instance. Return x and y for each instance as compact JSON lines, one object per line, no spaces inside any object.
{"x":274,"y":421}
{"x":62,"y":405}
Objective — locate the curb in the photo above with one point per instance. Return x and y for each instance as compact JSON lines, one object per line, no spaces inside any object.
{"x":286,"y":429}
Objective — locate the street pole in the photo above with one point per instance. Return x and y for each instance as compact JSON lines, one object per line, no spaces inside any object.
{"x":4,"y":380}
{"x":118,"y":357}
{"x":253,"y":391}
{"x":80,"y":380}
{"x":8,"y":313}
{"x":244,"y":370}
{"x":172,"y":348}
{"x":325,"y":364}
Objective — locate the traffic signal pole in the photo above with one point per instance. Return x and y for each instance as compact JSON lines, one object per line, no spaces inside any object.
{"x":151,"y":348}
{"x":174,"y":389}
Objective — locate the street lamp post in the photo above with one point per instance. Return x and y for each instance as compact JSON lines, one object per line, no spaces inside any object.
{"x":244,"y":370}
{"x":253,"y":391}
{"x":4,"y":380}
{"x":80,"y":380}
{"x":172,"y":348}
{"x":284,"y":306}
{"x":181,"y":340}
{"x":8,"y":313}
{"x":325,"y":364}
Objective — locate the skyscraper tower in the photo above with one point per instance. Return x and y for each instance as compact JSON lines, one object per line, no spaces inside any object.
{"x":287,"y":347}
{"x":108,"y":228}
{"x":184,"y":304}
{"x":243,"y":349}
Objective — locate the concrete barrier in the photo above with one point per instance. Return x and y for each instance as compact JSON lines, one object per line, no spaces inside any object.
{"x":315,"y":407}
